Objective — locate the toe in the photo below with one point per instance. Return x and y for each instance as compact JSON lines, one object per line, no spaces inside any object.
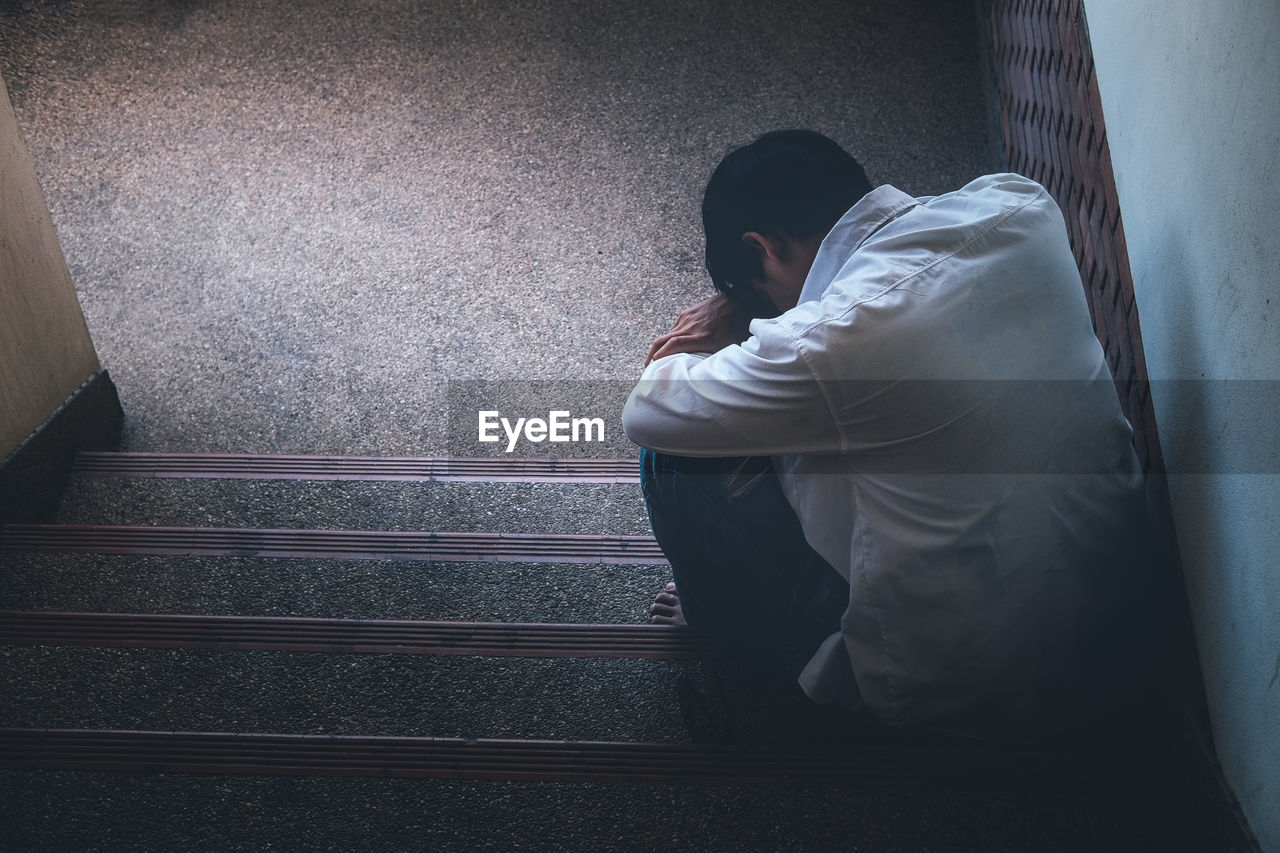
{"x":665,"y":609}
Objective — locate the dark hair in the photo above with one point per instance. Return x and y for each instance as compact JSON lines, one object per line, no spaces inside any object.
{"x":793,"y":182}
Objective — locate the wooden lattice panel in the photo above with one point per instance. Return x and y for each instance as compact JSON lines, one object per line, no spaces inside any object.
{"x":1051,"y":118}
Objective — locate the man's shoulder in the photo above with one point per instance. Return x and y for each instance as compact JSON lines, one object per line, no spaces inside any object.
{"x":993,"y":220}
{"x":998,"y":191}
{"x":1009,"y":184}
{"x":944,"y":279}
{"x":983,"y":205}
{"x":889,"y":233}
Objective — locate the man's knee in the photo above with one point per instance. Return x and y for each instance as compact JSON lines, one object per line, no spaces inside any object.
{"x":687,"y":498}
{"x":661,"y":476}
{"x":714,"y":475}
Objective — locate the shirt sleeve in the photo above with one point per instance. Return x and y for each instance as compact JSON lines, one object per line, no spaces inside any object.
{"x":756,"y":399}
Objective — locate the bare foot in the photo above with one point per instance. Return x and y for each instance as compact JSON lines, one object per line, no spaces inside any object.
{"x":665,"y":609}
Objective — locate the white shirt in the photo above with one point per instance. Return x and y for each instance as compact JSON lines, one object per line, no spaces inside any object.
{"x":944,"y":424}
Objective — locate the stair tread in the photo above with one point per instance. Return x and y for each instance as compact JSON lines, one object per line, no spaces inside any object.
{"x":370,"y":589}
{"x":514,"y":506}
{"x":378,"y":694}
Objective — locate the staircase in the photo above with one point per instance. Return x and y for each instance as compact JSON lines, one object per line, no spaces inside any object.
{"x":229,"y":652}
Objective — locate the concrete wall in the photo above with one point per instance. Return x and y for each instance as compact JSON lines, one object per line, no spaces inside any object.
{"x":45,"y":351}
{"x":1189,"y":92}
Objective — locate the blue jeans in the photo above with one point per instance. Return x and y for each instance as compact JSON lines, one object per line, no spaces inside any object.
{"x":746,"y":577}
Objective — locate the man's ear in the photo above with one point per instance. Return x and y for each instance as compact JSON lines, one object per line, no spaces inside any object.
{"x":766,"y":245}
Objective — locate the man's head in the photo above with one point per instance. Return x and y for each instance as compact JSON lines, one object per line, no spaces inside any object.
{"x":766,"y":208}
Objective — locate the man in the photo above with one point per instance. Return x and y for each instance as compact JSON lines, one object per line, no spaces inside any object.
{"x":889,"y":449}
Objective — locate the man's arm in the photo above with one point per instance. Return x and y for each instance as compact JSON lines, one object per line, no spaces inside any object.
{"x":707,"y":327}
{"x":759,"y":398}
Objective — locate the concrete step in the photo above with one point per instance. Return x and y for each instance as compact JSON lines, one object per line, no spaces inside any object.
{"x":633,"y":699}
{"x":354,"y":694}
{"x":356,"y":589}
{"x":131,"y":811}
{"x":356,"y":505}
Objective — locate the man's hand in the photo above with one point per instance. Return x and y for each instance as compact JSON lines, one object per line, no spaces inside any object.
{"x":709,"y":326}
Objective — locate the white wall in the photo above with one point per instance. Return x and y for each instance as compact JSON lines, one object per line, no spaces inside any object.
{"x":45,"y":351}
{"x":1191,"y":98}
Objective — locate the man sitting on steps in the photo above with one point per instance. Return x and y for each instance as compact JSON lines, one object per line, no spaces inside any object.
{"x":890,"y":451}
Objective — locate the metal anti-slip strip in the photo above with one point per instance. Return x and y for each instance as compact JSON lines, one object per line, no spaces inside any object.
{"x":277,"y":467}
{"x":349,"y":636}
{"x":481,"y":759}
{"x":335,"y":544}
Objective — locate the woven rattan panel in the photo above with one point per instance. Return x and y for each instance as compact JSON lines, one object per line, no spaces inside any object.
{"x":1051,"y":118}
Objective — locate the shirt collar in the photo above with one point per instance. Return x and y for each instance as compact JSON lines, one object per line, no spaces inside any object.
{"x":876,"y":209}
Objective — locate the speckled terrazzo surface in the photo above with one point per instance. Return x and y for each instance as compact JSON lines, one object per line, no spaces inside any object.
{"x":292,"y":224}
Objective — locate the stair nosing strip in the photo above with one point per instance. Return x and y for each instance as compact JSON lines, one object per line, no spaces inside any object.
{"x":481,"y":758}
{"x":373,"y":468}
{"x":442,"y":546}
{"x":282,"y":633}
